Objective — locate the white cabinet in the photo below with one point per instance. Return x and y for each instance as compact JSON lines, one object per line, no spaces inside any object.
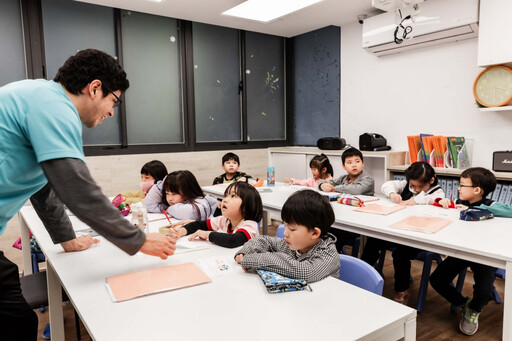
{"x":495,"y":32}
{"x":293,"y":162}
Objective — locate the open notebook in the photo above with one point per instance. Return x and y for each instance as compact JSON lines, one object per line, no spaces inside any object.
{"x":136,"y":284}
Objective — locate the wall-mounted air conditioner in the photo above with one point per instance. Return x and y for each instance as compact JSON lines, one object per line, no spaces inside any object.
{"x":438,"y":22}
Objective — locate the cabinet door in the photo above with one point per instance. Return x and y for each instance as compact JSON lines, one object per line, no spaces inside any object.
{"x":494,"y":32}
{"x":290,"y":166}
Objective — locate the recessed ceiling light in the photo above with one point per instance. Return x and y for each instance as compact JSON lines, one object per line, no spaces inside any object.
{"x":267,"y":10}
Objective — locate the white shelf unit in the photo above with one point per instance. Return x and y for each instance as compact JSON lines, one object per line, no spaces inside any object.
{"x":293,"y":162}
{"x":500,"y":176}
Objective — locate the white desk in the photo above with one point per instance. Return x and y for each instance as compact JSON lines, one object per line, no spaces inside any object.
{"x":487,"y":242}
{"x":232,"y":307}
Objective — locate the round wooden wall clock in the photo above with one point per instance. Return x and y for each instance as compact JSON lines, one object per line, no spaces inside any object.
{"x":493,"y":86}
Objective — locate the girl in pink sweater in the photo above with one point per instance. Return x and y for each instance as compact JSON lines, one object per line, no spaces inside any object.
{"x":321,"y":169}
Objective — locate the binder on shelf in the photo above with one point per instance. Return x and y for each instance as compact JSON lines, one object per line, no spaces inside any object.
{"x":442,"y":183}
{"x":449,"y":187}
{"x":508,"y":200}
{"x":455,"y":187}
{"x":504,"y":193}
{"x":496,"y":193}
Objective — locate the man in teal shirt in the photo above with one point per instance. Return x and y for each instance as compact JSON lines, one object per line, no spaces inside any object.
{"x":42,"y":159}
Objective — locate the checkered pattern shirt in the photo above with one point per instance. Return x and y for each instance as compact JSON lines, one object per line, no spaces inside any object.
{"x":270,"y":253}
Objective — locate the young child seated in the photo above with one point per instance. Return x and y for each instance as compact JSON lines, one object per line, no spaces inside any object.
{"x":321,"y":169}
{"x":150,"y":174}
{"x":182,"y":197}
{"x":354,"y":182}
{"x":230,"y":164}
{"x":420,"y":188}
{"x":475,"y":183}
{"x":241,"y":212}
{"x":307,"y":250}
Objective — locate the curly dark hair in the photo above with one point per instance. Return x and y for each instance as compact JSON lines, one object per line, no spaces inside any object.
{"x":88,"y":65}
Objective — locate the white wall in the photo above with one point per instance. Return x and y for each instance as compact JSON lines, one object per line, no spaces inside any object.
{"x":427,"y":90}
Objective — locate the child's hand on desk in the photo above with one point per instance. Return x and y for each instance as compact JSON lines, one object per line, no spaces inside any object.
{"x":410,"y":202}
{"x":327,"y":187}
{"x":79,"y":244}
{"x":288,"y":180}
{"x":243,"y":178}
{"x":239,"y":258}
{"x":158,"y":245}
{"x":397,"y":198}
{"x":201,"y":234}
{"x":461,"y":207}
{"x":445,"y":202}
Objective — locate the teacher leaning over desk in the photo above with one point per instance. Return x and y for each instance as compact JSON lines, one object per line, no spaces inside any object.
{"x":42,"y":159}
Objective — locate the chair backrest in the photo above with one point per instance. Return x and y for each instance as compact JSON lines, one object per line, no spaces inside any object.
{"x":280,"y":231}
{"x":359,"y":273}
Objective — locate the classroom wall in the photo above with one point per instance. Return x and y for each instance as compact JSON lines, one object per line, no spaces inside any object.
{"x":427,"y":90}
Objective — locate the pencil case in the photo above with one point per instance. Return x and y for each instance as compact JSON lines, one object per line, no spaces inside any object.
{"x":351,"y":202}
{"x":275,"y":283}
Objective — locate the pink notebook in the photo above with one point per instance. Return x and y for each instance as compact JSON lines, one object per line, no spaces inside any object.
{"x":379,"y":209}
{"x":147,"y":282}
{"x":422,"y":224}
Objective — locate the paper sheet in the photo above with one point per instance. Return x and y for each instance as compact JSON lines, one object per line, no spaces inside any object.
{"x":379,"y":209}
{"x":219,"y":265}
{"x":184,"y":245}
{"x":147,"y":282}
{"x":422,"y":224}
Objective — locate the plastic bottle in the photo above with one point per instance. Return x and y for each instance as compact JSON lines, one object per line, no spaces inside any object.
{"x":271,"y":176}
{"x":140,"y":217}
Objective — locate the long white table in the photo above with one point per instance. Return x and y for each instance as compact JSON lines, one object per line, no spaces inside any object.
{"x":486,"y":242}
{"x":232,"y":307}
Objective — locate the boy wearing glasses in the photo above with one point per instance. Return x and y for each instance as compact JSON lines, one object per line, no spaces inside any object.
{"x":475,"y":184}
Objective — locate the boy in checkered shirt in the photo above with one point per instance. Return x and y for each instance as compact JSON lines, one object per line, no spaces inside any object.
{"x":307,"y":250}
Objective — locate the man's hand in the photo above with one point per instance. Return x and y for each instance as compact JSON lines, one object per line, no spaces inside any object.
{"x":79,"y":244}
{"x":158,"y":245}
{"x":327,"y":187}
{"x":201,"y":234}
{"x":395,"y":197}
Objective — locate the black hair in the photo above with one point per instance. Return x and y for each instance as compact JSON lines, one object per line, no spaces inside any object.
{"x":88,"y":65}
{"x":251,"y":207}
{"x":351,"y":152}
{"x":308,"y":208}
{"x":481,"y":177}
{"x":230,"y":156}
{"x":320,"y":162}
{"x":185,"y":184}
{"x":421,"y":171}
{"x":154,"y":168}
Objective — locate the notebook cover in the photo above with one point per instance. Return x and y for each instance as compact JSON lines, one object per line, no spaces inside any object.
{"x":379,"y":209}
{"x":422,"y":224}
{"x":136,"y":284}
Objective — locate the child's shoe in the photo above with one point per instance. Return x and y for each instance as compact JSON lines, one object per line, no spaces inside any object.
{"x":402,"y":297}
{"x":469,"y":319}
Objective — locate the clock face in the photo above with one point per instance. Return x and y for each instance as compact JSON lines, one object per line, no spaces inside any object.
{"x":493,"y":87}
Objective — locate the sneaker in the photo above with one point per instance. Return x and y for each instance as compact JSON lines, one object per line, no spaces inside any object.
{"x":402,"y":297}
{"x":469,"y":320}
{"x":46,"y":332}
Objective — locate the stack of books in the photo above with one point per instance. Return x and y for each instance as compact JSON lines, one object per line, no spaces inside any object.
{"x":439,"y":151}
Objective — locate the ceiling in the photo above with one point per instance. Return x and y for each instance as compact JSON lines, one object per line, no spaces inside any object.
{"x":322,"y":14}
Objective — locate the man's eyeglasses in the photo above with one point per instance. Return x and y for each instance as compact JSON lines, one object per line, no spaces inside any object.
{"x":118,"y":100}
{"x":462,"y":186}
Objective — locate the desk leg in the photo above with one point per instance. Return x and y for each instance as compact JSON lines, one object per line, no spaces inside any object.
{"x":25,"y":242}
{"x":410,"y":330}
{"x":507,"y":302}
{"x":264,"y":223}
{"x":55,"y":304}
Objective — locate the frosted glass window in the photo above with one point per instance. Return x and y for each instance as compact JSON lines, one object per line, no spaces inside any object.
{"x":265,"y":80}
{"x":151,"y":59}
{"x":70,"y":26}
{"x":216,"y":83}
{"x":12,"y":56}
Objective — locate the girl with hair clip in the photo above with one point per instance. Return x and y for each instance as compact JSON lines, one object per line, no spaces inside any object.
{"x":241,"y":211}
{"x":150,"y":174}
{"x":321,"y":169}
{"x":419,"y":188}
{"x":182,"y":197}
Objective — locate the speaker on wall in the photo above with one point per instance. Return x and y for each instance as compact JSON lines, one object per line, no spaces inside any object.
{"x":331,"y":143}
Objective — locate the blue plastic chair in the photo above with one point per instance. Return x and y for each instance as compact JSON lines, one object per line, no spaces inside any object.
{"x":359,"y":273}
{"x":354,"y":243}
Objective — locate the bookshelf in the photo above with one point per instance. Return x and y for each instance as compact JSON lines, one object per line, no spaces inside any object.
{"x":448,"y":179}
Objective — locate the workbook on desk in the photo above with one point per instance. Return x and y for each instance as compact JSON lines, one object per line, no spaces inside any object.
{"x":141,"y":283}
{"x":379,"y":209}
{"x":422,"y":224}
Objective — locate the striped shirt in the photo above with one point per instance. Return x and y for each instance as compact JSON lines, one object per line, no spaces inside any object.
{"x":270,"y":253}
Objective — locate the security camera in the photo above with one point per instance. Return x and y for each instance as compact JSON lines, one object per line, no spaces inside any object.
{"x":361,"y":18}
